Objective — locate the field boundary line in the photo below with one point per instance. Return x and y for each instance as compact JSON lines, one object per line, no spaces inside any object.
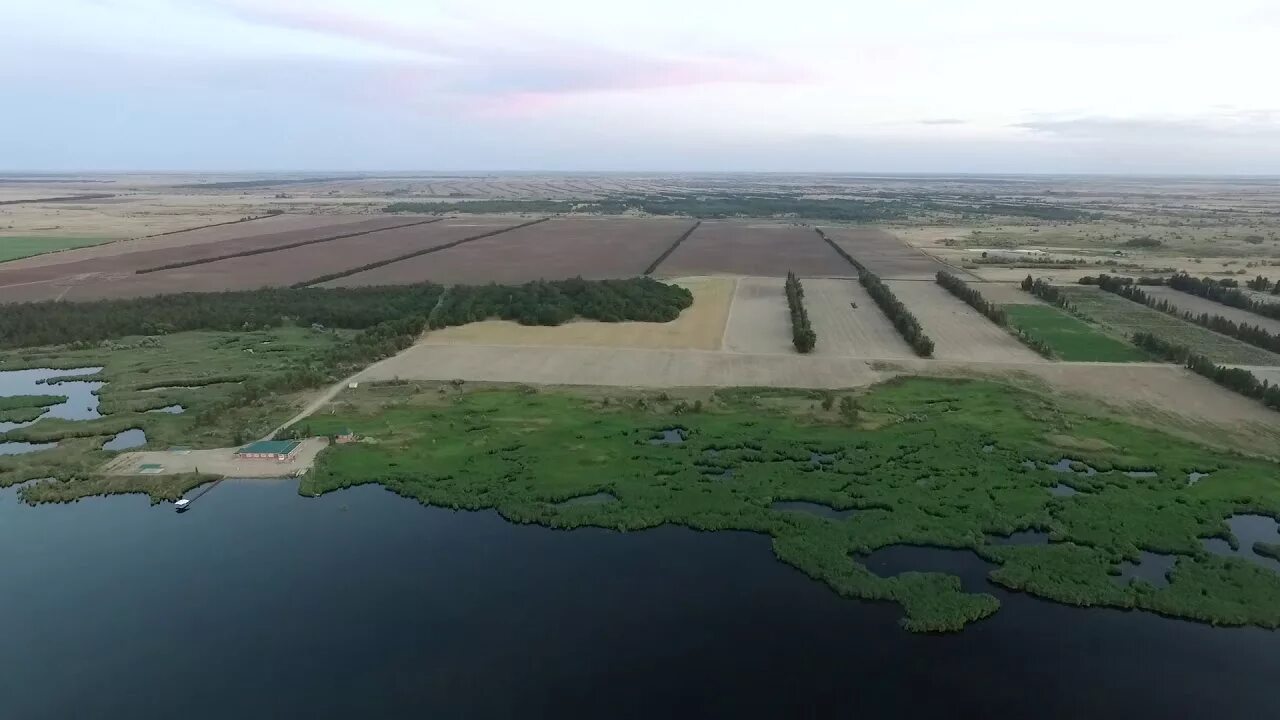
{"x":728,"y":317}
{"x":653,"y":267}
{"x":212,"y":225}
{"x":278,"y":248}
{"x":63,"y":198}
{"x":414,"y":254}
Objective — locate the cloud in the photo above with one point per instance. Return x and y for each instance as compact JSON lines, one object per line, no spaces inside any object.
{"x":943,"y":121}
{"x":1241,"y":124}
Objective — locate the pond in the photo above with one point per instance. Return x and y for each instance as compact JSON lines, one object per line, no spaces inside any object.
{"x":361,"y":603}
{"x":170,"y":410}
{"x":127,"y":440}
{"x":81,"y":402}
{"x":1248,"y":529}
{"x":670,"y":436}
{"x":600,"y":498}
{"x":813,"y":508}
{"x":1151,"y":567}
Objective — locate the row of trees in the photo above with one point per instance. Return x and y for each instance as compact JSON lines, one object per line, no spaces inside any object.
{"x":553,"y":303}
{"x":1263,"y":284}
{"x":993,"y":312}
{"x":1210,"y":289}
{"x":1237,"y":379}
{"x":1252,"y":334}
{"x":667,"y":253}
{"x":1144,"y":280}
{"x":898,"y":314}
{"x":1048,"y":293}
{"x":802,"y":334}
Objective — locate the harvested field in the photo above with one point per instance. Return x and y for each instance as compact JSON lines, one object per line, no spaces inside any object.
{"x":842,"y":330}
{"x":959,"y":332}
{"x":1187,"y":302}
{"x":562,"y":248}
{"x":28,"y":281}
{"x":742,"y":248}
{"x":1126,"y":317}
{"x":701,"y":327}
{"x":282,"y":268}
{"x":1004,"y":293}
{"x":759,"y":321}
{"x":887,"y":256}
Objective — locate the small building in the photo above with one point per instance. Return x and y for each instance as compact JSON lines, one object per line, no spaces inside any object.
{"x":278,"y":450}
{"x":346,"y":436}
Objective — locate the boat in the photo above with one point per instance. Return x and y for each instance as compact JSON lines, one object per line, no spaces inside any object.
{"x":182,"y":504}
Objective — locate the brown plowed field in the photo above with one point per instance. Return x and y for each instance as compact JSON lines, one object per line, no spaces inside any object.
{"x":27,"y":282}
{"x":959,"y":332}
{"x":842,"y":330}
{"x":887,"y":256}
{"x":281,"y":268}
{"x":745,"y":248}
{"x":594,"y":248}
{"x":759,"y":321}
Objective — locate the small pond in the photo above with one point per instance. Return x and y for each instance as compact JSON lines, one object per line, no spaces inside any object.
{"x":1067,"y":465}
{"x":1248,"y":529}
{"x":126,"y":440}
{"x":1022,"y":537}
{"x":1152,"y":567}
{"x":81,"y":403}
{"x":600,"y":498}
{"x":1061,"y":490}
{"x":670,"y":436}
{"x":812,"y":508}
{"x":170,"y":410}
{"x":894,"y":560}
{"x":1194,"y":477}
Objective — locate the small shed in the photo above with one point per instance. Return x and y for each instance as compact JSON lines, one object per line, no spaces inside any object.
{"x":347,"y":435}
{"x":278,"y":450}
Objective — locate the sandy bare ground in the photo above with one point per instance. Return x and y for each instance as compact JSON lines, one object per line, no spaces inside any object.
{"x":1005,"y":293}
{"x":842,"y":330}
{"x":698,"y":328}
{"x":760,"y":321}
{"x":1187,"y":302}
{"x":220,"y":461}
{"x":959,"y":332}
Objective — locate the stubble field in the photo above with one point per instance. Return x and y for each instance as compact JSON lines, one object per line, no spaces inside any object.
{"x":959,"y":332}
{"x":754,"y":249}
{"x":863,"y":332}
{"x":885,"y":255}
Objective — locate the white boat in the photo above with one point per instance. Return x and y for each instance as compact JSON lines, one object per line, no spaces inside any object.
{"x":182,"y":504}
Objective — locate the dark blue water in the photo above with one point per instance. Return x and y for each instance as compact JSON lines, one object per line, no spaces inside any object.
{"x":259,"y":603}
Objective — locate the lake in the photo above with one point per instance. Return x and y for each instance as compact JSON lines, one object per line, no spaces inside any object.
{"x":259,"y":603}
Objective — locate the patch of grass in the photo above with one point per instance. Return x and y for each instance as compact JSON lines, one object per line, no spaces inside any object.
{"x":1070,"y":338}
{"x":20,"y":246}
{"x":945,"y":468}
{"x":1126,"y":317}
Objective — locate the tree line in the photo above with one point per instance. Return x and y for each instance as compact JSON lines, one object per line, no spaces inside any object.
{"x":802,"y":334}
{"x":1263,"y":284}
{"x":1048,"y":293}
{"x":1211,"y":289}
{"x":898,"y":314}
{"x":993,"y":312}
{"x":555,"y":302}
{"x":1236,"y":379}
{"x":1252,"y":334}
{"x":667,"y":253}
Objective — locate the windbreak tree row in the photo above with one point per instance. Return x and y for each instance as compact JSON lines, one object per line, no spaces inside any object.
{"x":1048,"y":293}
{"x":993,"y":312}
{"x":898,"y":314}
{"x":1252,"y":334}
{"x":553,"y":303}
{"x":1211,"y":289}
{"x":1236,"y":379}
{"x":802,"y":334}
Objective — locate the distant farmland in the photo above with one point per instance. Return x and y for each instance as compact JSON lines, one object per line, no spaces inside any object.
{"x":1070,"y":338}
{"x":13,"y":248}
{"x":743,"y":248}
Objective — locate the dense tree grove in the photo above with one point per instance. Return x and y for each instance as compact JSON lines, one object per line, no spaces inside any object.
{"x":1048,"y":293}
{"x":553,"y":303}
{"x":1211,"y":289}
{"x":1237,"y":379}
{"x":1252,"y":334}
{"x":802,"y":334}
{"x":898,"y":313}
{"x":993,"y":312}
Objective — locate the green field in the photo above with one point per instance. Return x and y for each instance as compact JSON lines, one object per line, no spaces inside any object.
{"x":20,"y":246}
{"x":1071,"y":338}
{"x":1126,"y":317}
{"x":923,"y":461}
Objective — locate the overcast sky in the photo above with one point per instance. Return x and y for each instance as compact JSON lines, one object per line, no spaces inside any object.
{"x":1146,"y":86}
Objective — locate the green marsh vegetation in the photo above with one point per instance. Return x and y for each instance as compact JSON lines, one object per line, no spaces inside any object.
{"x":922,"y":461}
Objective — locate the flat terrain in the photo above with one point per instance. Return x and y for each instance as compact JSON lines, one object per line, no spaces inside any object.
{"x":20,"y":246}
{"x":1127,"y":317}
{"x":698,"y":328}
{"x":759,"y":321}
{"x":864,"y":332}
{"x":1071,"y":338}
{"x":219,"y":461}
{"x":562,"y":248}
{"x":1186,"y":302}
{"x":1000,"y":293}
{"x":959,"y":332}
{"x":754,"y":248}
{"x":886,"y":255}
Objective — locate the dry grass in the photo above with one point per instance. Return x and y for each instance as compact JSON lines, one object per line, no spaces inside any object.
{"x":759,"y":321}
{"x":698,"y":328}
{"x":959,"y":332}
{"x":864,"y":332}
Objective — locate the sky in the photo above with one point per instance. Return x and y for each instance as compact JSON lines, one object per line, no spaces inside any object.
{"x":946,"y":86}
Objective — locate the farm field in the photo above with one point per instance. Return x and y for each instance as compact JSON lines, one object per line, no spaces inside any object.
{"x":21,"y":246}
{"x":886,"y":255}
{"x":1186,"y":302}
{"x":754,"y":249}
{"x":94,"y":277}
{"x":1127,"y":317}
{"x":959,"y":332}
{"x":1071,"y":338}
{"x":1000,"y":293}
{"x":562,"y":248}
{"x":701,"y":327}
{"x":842,"y":330}
{"x":280,"y":268}
{"x":759,"y":321}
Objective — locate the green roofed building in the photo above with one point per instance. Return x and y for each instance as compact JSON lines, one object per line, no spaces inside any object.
{"x":278,"y":450}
